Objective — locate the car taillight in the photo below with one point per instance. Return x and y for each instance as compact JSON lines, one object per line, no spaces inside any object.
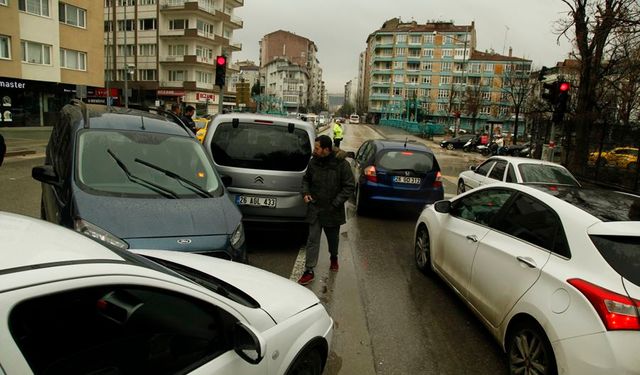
{"x":617,"y":311}
{"x":370,"y":173}
{"x":437,"y":183}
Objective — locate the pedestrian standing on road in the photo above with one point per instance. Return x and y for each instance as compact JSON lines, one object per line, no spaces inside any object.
{"x":187,"y":118}
{"x":3,"y":149}
{"x":337,"y":134}
{"x":326,"y":185}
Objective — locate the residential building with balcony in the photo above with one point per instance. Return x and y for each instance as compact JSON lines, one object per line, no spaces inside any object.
{"x":165,"y":50}
{"x":48,"y":48}
{"x":287,"y":83}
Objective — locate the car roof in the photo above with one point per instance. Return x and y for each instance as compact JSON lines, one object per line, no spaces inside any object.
{"x":257,"y":117}
{"x":518,"y":160}
{"x":118,"y":118}
{"x":23,"y":237}
{"x":400,"y":144}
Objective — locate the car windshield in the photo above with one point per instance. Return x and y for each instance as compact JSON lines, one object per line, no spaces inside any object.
{"x":420,"y":162}
{"x":261,"y":146}
{"x":546,"y":174}
{"x":190,"y":173}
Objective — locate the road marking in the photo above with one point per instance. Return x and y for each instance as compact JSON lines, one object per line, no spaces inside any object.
{"x":298,"y":266}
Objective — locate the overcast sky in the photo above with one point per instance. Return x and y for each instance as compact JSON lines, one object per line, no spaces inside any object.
{"x":340,"y":28}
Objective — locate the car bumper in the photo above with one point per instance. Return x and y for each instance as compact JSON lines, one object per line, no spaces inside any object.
{"x":386,"y":195}
{"x":614,"y":352}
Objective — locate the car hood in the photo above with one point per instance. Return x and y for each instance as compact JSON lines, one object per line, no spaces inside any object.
{"x":148,"y":218}
{"x":279,"y":297}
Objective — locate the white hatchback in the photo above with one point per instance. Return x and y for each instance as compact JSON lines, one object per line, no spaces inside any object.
{"x":554,"y":274}
{"x":515,"y":169}
{"x":69,"y":305}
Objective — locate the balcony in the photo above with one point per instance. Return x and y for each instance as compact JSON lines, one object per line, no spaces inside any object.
{"x":192,"y":33}
{"x":197,"y":6}
{"x":235,"y":46}
{"x":382,"y":58}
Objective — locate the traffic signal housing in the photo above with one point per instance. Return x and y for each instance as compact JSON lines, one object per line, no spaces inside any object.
{"x":562,"y":100}
{"x":221,"y":70}
{"x":550,"y":92}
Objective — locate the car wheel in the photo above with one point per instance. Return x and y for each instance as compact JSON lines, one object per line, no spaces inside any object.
{"x":360,"y":203}
{"x":307,"y":363}
{"x":461,"y":187}
{"x":450,"y":146}
{"x":529,"y":351}
{"x":423,"y":250}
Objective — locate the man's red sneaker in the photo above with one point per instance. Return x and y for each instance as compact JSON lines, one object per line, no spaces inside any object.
{"x":334,"y":265}
{"x":306,"y":278}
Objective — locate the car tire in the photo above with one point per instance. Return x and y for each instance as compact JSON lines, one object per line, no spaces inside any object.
{"x":307,"y":363}
{"x":461,"y":187}
{"x":450,"y":146}
{"x":529,"y":349}
{"x":361,"y":210}
{"x":422,"y":250}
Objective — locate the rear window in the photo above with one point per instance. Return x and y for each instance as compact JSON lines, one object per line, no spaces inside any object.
{"x":622,"y":253}
{"x":420,"y":162}
{"x":261,"y":146}
{"x":546,"y":174}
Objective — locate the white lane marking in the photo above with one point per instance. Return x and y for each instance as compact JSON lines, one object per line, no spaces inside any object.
{"x":298,"y":266}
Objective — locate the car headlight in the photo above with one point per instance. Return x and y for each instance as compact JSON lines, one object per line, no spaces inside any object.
{"x":237,"y":237}
{"x":98,"y":234}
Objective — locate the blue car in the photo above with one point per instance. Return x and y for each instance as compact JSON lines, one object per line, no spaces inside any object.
{"x":396,"y":173}
{"x":137,"y":180}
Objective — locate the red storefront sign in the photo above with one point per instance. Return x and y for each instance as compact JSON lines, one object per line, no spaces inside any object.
{"x":170,"y":93}
{"x":203,"y":97}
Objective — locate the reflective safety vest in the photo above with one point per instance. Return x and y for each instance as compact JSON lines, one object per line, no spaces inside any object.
{"x":337,"y":131}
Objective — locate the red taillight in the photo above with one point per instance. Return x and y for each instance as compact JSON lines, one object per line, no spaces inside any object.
{"x":437,"y":183}
{"x":617,"y":311}
{"x":370,"y":173}
{"x":407,"y":153}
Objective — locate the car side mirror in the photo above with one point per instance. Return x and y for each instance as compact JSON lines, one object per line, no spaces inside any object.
{"x":351,"y":154}
{"x":248,"y":344}
{"x":443,"y":207}
{"x":226,"y":180}
{"x":473,"y":168}
{"x":46,"y":174}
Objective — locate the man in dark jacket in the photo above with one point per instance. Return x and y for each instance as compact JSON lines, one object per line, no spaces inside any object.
{"x":326,"y":185}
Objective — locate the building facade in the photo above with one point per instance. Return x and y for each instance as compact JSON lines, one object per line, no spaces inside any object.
{"x":48,"y":50}
{"x":286,"y":85}
{"x":164,"y":50}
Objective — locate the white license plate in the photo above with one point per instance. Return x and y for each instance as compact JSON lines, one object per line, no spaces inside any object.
{"x":407,"y":180}
{"x":247,"y":200}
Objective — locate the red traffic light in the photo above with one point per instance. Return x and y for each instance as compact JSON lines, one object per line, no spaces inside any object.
{"x":565,"y":86}
{"x":221,"y":60}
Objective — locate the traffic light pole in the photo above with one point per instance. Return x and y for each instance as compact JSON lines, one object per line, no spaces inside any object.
{"x":221,"y":100}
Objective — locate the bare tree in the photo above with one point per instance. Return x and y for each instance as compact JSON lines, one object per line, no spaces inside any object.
{"x":472,"y":103}
{"x":594,"y":23}
{"x":517,"y":86}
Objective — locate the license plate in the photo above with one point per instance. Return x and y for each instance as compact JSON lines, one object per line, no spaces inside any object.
{"x":246,"y":200}
{"x":407,"y":180}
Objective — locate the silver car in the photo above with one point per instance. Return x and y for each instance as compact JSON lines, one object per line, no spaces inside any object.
{"x":262,"y":160}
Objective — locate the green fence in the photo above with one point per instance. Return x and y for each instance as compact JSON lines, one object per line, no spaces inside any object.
{"x":427,"y":129}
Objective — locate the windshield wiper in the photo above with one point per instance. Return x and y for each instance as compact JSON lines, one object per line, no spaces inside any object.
{"x":142,"y":182}
{"x":192,"y":186}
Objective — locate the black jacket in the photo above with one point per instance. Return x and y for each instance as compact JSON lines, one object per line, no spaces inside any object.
{"x":330,"y":183}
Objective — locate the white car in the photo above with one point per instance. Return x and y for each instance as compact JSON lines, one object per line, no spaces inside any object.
{"x":69,"y":305}
{"x":554,"y":274}
{"x":515,"y":169}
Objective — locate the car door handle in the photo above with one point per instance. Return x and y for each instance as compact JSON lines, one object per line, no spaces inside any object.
{"x":527,"y":261}
{"x":472,"y":237}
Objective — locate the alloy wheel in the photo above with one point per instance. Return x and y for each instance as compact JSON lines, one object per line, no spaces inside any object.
{"x":450,"y":146}
{"x":530,"y":353}
{"x":423,"y":250}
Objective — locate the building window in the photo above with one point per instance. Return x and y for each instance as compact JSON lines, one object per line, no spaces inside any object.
{"x":4,"y":2}
{"x":424,"y":92}
{"x":401,"y":38}
{"x":108,"y":26}
{"x":446,"y":66}
{"x":129,"y":49}
{"x":178,"y":75}
{"x":146,"y":49}
{"x":427,"y":52}
{"x":428,"y":39}
{"x":130,"y":25}
{"x":37,"y":7}
{"x":413,"y":79}
{"x":72,"y":15}
{"x":397,"y":91}
{"x":401,"y":51}
{"x":146,"y":2}
{"x":443,"y":94}
{"x":416,"y":39}
{"x":204,"y":53}
{"x":75,"y":60}
{"x":486,"y":110}
{"x":178,"y":24}
{"x":486,"y":96}
{"x":126,"y":2}
{"x":178,"y":50}
{"x":442,"y":107}
{"x":5,"y":47}
{"x":426,"y":79}
{"x":147,"y":74}
{"x":36,"y":53}
{"x":427,"y":66}
{"x":445,"y":80}
{"x":447,"y":52}
{"x":204,"y":77}
{"x":488,"y":67}
{"x":205,"y":28}
{"x":460,"y":53}
{"x":398,"y":64}
{"x":147,"y":24}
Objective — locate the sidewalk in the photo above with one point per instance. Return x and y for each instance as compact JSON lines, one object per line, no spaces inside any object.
{"x":25,"y":141}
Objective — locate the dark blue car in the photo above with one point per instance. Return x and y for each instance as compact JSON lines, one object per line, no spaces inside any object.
{"x":137,"y":180}
{"x":397,"y":173}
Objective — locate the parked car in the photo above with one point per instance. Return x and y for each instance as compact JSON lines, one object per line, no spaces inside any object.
{"x":554,"y":274}
{"x":390,"y":172}
{"x":72,"y":306}
{"x":619,"y":157}
{"x":456,"y":142}
{"x":515,"y":169}
{"x":265,"y":158}
{"x":136,"y":180}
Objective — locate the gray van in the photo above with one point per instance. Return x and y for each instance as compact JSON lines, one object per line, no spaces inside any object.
{"x":265,"y":157}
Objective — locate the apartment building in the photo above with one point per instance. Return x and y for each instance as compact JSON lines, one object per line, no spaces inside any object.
{"x":436,"y":65}
{"x":287,"y":83}
{"x":299,"y":51}
{"x":164,"y":51}
{"x":48,"y":48}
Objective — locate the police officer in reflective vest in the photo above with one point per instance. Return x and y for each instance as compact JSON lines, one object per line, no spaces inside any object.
{"x":337,"y":134}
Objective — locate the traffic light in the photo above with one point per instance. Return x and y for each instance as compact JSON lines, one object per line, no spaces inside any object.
{"x":221,"y":70}
{"x":562,"y":99}
{"x":550,"y":92}
{"x":542,"y":73}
